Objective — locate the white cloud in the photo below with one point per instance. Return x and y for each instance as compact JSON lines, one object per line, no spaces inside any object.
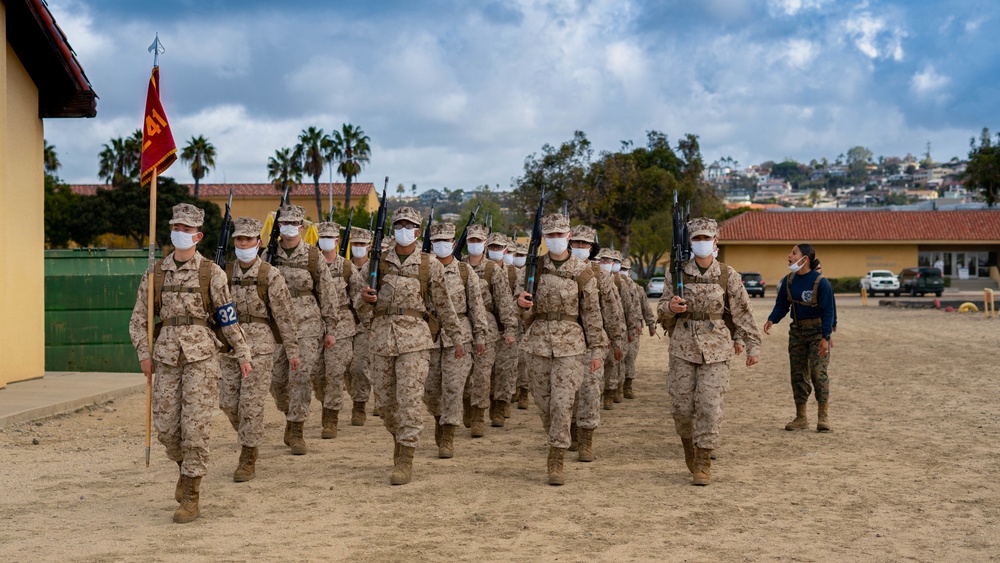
{"x":929,"y":84}
{"x":874,"y":37}
{"x":973,"y":25}
{"x":793,"y":7}
{"x":800,"y":53}
{"x":76,"y":21}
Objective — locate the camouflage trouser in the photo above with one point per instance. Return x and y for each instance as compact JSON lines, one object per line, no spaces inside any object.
{"x":184,"y":397}
{"x":242,"y":400}
{"x":359,"y":384}
{"x":628,"y":362}
{"x":612,"y":372}
{"x":554,"y":383}
{"x":292,"y":390}
{"x":806,"y":365}
{"x":523,"y":380}
{"x":446,"y":383}
{"x":504,"y":381}
{"x":477,"y":387}
{"x":399,"y":385}
{"x":328,"y":377}
{"x":587,"y":407}
{"x":696,"y":393}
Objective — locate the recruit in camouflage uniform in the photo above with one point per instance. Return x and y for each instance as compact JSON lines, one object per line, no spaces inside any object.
{"x":565,"y":308}
{"x":503,"y":382}
{"x":627,"y":390}
{"x":241,"y":398}
{"x":523,"y":383}
{"x":359,"y":385}
{"x":501,"y":313}
{"x":401,"y":339}
{"x":630,"y":309}
{"x":587,"y":409}
{"x":443,"y":390}
{"x":315,"y":304}
{"x":186,"y":353}
{"x":701,"y":346}
{"x":332,"y":375}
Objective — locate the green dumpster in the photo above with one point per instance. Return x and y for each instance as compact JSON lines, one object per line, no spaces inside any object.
{"x":89,"y":295}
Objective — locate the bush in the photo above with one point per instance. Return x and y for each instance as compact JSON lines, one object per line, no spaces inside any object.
{"x":642,"y":282}
{"x":846,"y":285}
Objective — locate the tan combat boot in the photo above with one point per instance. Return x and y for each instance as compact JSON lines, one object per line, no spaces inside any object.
{"x":478,"y":428}
{"x":179,"y":489}
{"x":330,"y":417}
{"x":556,"y":466}
{"x":247,"y":467}
{"x":628,"y":392}
{"x":296,"y":440}
{"x":466,"y":412}
{"x":437,"y":430}
{"x":288,"y":432}
{"x":505,"y":408}
{"x":702,"y":467}
{"x":617,"y":396}
{"x":586,"y":445}
{"x":824,"y":418}
{"x":188,"y":510}
{"x":522,"y":398}
{"x":446,"y":449}
{"x":608,"y":399}
{"x":800,"y":422}
{"x":688,"y":444}
{"x":358,"y":414}
{"x":403,"y":471}
{"x":496,"y":413}
{"x":574,"y":437}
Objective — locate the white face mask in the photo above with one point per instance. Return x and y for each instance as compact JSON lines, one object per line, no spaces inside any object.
{"x":405,"y":237}
{"x":290,"y":231}
{"x":182,"y":240}
{"x":495,"y":255}
{"x":581,"y":253}
{"x":796,"y":266}
{"x":476,"y":248}
{"x":359,"y":250}
{"x":703,"y":248}
{"x":607,"y":266}
{"x":715,"y":254}
{"x":246,"y":254}
{"x":442,"y":248}
{"x":508,"y":259}
{"x":557,"y":245}
{"x":327,"y":244}
{"x":520,"y":260}
{"x":617,"y":267}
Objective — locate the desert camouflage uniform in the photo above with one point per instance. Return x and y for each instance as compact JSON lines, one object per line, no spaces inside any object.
{"x":633,"y":316}
{"x":500,"y":311}
{"x":333,"y":377}
{"x":588,"y":407}
{"x":650,"y":319}
{"x":316,"y":316}
{"x":360,"y":386}
{"x":186,"y":387}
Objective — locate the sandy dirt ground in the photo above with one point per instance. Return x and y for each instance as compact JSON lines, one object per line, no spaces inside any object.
{"x":909,"y":473}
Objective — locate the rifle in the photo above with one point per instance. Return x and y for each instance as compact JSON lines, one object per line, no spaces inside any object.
{"x":488,"y":222}
{"x":223,"y":247}
{"x":346,"y":240}
{"x":272,"y":243}
{"x":374,"y":281}
{"x":460,"y":243}
{"x":426,"y":247}
{"x":531,"y":265}
{"x":679,"y":253}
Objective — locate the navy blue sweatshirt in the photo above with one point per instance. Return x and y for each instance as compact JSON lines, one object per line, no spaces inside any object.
{"x":803,"y":284}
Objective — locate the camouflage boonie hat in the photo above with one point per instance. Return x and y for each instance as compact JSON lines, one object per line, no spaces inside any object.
{"x":498,"y":239}
{"x":388,"y":242}
{"x":406,"y":214}
{"x":615,"y":255}
{"x":328,"y":229}
{"x":477,"y":231}
{"x":512,"y":246}
{"x":555,"y":223}
{"x":604,"y":254}
{"x":360,"y":235}
{"x":626,"y":264}
{"x":443,"y":231}
{"x":247,"y":227}
{"x":703,"y":226}
{"x":292,"y":214}
{"x":187,"y":214}
{"x":520,"y":248}
{"x":583,"y":233}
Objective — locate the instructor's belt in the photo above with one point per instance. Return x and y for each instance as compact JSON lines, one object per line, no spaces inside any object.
{"x":808,"y":322}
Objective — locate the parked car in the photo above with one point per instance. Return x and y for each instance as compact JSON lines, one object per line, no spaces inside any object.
{"x":919,"y":281}
{"x":754,"y":283}
{"x":655,"y":287}
{"x":881,"y":280}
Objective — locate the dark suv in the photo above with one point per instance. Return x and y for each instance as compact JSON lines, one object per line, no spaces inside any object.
{"x":754,"y":283}
{"x":918,"y":281}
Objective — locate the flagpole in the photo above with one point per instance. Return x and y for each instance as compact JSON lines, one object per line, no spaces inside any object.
{"x":149,"y":308}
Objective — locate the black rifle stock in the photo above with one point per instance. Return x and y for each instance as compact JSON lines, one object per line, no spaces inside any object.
{"x":346,"y":239}
{"x":373,"y":281}
{"x":224,"y":233}
{"x":531,"y":265}
{"x":426,"y":247}
{"x":272,"y":243}
{"x":460,"y":243}
{"x":678,"y":252}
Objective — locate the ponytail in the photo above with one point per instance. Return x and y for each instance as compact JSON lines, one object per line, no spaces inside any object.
{"x":807,"y":250}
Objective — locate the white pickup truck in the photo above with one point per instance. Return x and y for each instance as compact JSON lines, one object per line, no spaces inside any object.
{"x":881,"y":281}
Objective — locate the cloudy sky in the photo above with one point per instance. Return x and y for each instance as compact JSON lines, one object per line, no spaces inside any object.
{"x":457,"y":93}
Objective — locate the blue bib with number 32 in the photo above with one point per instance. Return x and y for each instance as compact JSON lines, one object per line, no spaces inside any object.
{"x":225,"y":315}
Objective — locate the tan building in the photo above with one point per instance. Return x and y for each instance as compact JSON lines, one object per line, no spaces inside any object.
{"x":850,"y":243}
{"x":39,"y":78}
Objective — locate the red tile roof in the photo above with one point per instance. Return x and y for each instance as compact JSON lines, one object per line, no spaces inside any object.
{"x":812,"y":226}
{"x":252,"y":190}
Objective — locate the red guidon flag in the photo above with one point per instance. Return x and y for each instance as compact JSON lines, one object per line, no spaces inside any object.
{"x":158,"y":148}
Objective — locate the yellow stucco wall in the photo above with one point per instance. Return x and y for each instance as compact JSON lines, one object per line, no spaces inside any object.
{"x":22,"y":228}
{"x":839,"y":260}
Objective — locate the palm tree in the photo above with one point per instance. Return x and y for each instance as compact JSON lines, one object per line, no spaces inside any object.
{"x":115,"y":162}
{"x":199,"y":154}
{"x":50,"y":158}
{"x":311,"y":152}
{"x":284,"y":169}
{"x":351,"y":151}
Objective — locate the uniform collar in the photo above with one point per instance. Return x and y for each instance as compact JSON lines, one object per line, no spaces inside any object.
{"x":713,"y":271}
{"x":193,"y":264}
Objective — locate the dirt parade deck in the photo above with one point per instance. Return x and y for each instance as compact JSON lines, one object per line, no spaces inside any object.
{"x":910,"y":472}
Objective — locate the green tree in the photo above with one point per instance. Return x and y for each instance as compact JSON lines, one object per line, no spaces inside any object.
{"x":400,"y":189}
{"x":50,"y":159}
{"x":283,"y":169}
{"x":312,"y":151}
{"x":119,"y":161}
{"x":351,"y":151}
{"x":199,"y":155}
{"x":858,"y":159}
{"x":490,"y":205}
{"x":61,"y":206}
{"x":651,"y":240}
{"x":983,"y":171}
